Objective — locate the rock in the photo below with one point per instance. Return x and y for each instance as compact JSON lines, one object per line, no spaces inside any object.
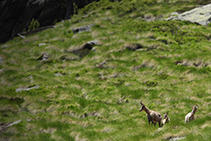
{"x":58,"y":74}
{"x":5,"y":126}
{"x":70,"y":57}
{"x":41,"y":44}
{"x":1,"y":59}
{"x":82,"y":29}
{"x":26,"y":89}
{"x":149,"y":17}
{"x":11,"y":124}
{"x":4,"y":47}
{"x":43,"y":57}
{"x":83,"y":50}
{"x":177,"y":138}
{"x":96,"y":114}
{"x":133,"y":46}
{"x":198,"y":63}
{"x":200,"y":15}
{"x":23,"y":37}
{"x":92,"y":43}
{"x":16,"y":16}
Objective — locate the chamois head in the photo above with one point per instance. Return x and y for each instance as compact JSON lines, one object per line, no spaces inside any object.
{"x":165,"y":115}
{"x":142,"y":106}
{"x":194,"y":109}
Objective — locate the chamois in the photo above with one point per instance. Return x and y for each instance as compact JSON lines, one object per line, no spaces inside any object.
{"x":166,"y":119}
{"x":152,"y":116}
{"x":190,"y":116}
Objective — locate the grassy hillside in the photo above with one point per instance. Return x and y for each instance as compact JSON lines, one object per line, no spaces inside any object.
{"x":94,"y":93}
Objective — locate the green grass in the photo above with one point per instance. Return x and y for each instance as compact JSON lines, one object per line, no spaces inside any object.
{"x":97,"y":97}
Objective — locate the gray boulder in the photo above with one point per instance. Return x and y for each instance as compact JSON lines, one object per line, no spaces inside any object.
{"x":26,"y":89}
{"x":43,"y":57}
{"x":82,"y":28}
{"x":84,"y":49}
{"x":200,"y":15}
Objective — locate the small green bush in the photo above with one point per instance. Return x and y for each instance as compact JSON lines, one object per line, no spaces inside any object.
{"x":72,"y":106}
{"x":33,"y":25}
{"x":17,"y":38}
{"x":151,"y":83}
{"x":69,"y":34}
{"x":67,"y":23}
{"x":163,"y":76}
{"x":75,"y":8}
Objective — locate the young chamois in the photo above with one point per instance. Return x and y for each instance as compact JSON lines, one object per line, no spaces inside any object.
{"x":166,"y":119}
{"x":152,"y":116}
{"x":190,"y":116}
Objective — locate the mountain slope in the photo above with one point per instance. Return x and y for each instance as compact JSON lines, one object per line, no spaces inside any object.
{"x":69,"y":85}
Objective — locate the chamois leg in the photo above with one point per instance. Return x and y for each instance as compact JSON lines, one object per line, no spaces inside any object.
{"x":154,"y":124}
{"x":160,"y":125}
{"x":149,"y":119}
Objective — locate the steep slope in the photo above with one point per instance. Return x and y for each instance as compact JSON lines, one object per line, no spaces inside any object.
{"x":84,"y":79}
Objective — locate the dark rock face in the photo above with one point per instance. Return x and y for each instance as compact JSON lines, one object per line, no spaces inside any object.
{"x":16,"y":15}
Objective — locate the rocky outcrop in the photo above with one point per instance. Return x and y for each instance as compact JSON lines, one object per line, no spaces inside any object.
{"x":200,"y":15}
{"x":16,"y":15}
{"x":82,"y":28}
{"x":84,"y":49}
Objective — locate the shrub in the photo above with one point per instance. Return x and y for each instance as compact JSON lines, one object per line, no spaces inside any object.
{"x":66,"y":23}
{"x":72,"y":106}
{"x":17,"y":38}
{"x":68,"y":33}
{"x":75,"y":8}
{"x":164,"y":76}
{"x":33,"y":25}
{"x":151,"y":83}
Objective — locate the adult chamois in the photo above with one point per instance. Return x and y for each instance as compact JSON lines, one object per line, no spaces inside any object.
{"x":152,"y":116}
{"x":190,"y":116}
